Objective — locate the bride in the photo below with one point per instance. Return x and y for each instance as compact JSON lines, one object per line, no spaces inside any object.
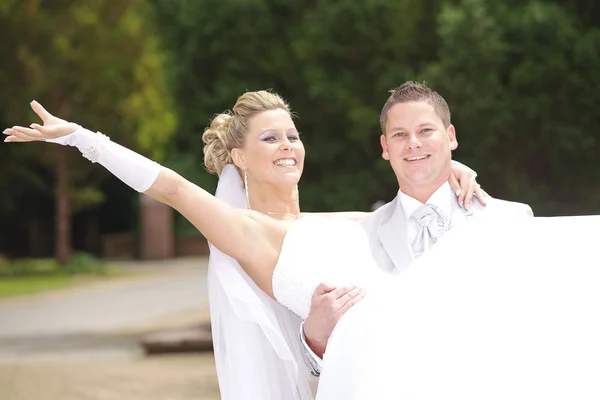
{"x":374,"y":353}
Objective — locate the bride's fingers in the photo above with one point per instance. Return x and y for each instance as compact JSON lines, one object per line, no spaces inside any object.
{"x":44,"y":130}
{"x":14,"y":136}
{"x":469,"y":193}
{"x":454,"y":184}
{"x":28,"y":133}
{"x":481,"y":195}
{"x":457,"y":188}
{"x":14,"y":139}
{"x":21,"y":135}
{"x":41,"y":111}
{"x":47,"y":131}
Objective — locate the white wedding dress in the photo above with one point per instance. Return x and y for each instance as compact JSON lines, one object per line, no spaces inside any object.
{"x":502,"y":310}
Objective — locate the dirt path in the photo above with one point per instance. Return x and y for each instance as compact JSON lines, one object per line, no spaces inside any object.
{"x":183,"y":377}
{"x":83,"y":343}
{"x":107,"y":306}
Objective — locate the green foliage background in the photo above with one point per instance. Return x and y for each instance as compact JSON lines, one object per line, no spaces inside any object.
{"x":521,"y":77}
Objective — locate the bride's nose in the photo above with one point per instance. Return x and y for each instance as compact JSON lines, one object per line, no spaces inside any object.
{"x":285,"y":145}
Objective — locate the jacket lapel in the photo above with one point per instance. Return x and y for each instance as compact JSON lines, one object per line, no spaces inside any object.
{"x":392,"y":234}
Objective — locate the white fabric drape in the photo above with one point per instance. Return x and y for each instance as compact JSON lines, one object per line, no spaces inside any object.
{"x":495,"y":310}
{"x":256,"y":345}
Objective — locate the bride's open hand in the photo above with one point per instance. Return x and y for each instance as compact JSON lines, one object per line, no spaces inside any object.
{"x":52,"y":128}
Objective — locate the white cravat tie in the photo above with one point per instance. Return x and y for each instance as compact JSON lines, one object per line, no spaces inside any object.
{"x":431,"y":225}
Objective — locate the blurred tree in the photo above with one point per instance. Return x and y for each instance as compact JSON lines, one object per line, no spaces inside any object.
{"x":585,"y":11}
{"x":333,"y":61}
{"x":349,"y":55}
{"x":98,"y":63}
{"x":519,"y":77}
{"x":522,"y":80}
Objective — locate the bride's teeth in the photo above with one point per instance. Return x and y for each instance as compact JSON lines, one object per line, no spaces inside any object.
{"x":285,"y":163}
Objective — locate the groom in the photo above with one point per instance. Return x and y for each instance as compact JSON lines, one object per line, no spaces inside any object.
{"x":417,"y":139}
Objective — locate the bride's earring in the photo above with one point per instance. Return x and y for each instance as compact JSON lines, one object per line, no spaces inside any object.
{"x":246,"y":187}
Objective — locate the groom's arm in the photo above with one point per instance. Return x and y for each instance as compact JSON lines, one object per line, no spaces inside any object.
{"x":312,"y":361}
{"x":328,"y":304}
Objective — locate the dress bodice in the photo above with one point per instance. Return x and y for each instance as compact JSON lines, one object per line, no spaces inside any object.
{"x":319,"y":249}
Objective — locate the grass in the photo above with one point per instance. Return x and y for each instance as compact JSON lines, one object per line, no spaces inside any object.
{"x":32,"y":284}
{"x":29,"y":276}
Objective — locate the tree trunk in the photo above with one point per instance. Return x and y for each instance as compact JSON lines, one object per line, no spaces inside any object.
{"x":33,"y":230}
{"x":92,"y":235}
{"x":63,"y":208}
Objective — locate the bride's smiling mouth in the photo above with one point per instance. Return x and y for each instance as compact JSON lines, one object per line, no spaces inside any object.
{"x":285,"y":162}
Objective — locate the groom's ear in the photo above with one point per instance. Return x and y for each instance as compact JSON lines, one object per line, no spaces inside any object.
{"x":385,"y":153}
{"x":452,"y":137}
{"x":237,"y":155}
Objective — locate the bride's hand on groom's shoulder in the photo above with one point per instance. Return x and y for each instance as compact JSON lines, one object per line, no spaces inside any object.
{"x":328,"y":304}
{"x":465,"y":186}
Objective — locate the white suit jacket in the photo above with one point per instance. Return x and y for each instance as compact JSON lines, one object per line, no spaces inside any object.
{"x":386,"y":228}
{"x":387,"y":232}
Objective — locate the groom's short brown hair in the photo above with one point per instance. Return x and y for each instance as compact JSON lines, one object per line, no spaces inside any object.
{"x":414,"y":91}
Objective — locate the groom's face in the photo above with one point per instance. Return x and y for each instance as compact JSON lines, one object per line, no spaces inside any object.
{"x":418,"y":145}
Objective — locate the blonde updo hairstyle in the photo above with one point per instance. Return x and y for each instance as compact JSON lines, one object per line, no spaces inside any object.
{"x":227,"y":131}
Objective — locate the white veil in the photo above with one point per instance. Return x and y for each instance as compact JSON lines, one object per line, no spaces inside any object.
{"x":256,"y":341}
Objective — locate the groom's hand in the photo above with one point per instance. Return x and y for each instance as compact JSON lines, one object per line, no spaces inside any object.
{"x":328,"y":304}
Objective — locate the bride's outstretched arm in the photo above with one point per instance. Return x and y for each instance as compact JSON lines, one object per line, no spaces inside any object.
{"x":242,"y":234}
{"x":237,"y":233}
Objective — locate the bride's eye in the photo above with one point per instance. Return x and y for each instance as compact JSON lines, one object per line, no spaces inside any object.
{"x":269,"y":139}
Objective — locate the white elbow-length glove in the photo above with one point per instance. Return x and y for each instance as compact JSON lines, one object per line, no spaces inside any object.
{"x":135,"y":170}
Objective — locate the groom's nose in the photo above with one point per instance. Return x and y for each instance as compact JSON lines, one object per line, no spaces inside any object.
{"x":414,"y":142}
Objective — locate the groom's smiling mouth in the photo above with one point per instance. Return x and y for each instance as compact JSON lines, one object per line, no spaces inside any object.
{"x":285,"y":162}
{"x":417,"y":158}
